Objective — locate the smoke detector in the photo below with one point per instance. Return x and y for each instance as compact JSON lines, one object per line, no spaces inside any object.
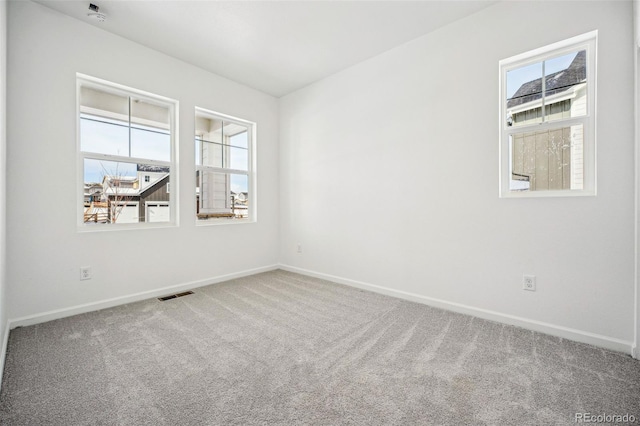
{"x":94,"y":13}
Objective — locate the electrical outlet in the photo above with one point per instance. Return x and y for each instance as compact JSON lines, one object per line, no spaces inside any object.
{"x":299,"y":248}
{"x":85,"y":273}
{"x":529,"y":282}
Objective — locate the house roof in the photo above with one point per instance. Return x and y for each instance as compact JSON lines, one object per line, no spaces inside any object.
{"x":125,"y":192}
{"x":150,"y":168}
{"x":119,"y":178}
{"x":557,"y":82}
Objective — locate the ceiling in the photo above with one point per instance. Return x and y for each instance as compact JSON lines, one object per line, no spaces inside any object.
{"x":276,"y":47}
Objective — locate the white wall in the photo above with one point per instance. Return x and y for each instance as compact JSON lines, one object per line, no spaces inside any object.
{"x":389,"y":177}
{"x":407,"y":141}
{"x":3,"y":174}
{"x":45,"y":251}
{"x":636,"y":57}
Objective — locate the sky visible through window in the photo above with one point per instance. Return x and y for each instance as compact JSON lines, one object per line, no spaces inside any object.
{"x":239,"y":160}
{"x":239,"y":183}
{"x":94,"y":170}
{"x":111,"y":137}
{"x":520,"y":76}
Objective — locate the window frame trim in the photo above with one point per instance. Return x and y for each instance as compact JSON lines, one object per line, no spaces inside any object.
{"x":588,"y":42}
{"x":84,"y":80}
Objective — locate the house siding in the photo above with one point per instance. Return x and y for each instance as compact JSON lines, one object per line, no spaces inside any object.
{"x":157,"y":192}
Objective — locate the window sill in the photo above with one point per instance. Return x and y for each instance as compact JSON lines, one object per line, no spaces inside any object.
{"x":548,"y":194}
{"x":124,"y":227}
{"x":223,"y":221}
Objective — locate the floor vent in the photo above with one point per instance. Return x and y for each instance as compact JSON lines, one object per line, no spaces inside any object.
{"x":173,"y":296}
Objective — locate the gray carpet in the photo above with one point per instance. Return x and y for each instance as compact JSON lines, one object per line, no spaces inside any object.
{"x":281,"y":348}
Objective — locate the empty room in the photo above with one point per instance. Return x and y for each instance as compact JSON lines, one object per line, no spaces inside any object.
{"x":319,"y":212}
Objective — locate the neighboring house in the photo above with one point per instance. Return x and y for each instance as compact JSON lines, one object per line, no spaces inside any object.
{"x":115,"y":199}
{"x":92,"y":192}
{"x":154,"y":201}
{"x":148,"y":175}
{"x":95,"y":210}
{"x":240,"y":197}
{"x":153,"y":193}
{"x":113,"y":186}
{"x":550,"y":159}
{"x":240,"y":204}
{"x":122,"y":195}
{"x":130,"y":199}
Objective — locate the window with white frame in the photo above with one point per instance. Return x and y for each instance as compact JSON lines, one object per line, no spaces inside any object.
{"x":126,"y":146}
{"x":224,"y":172}
{"x":547,"y":120}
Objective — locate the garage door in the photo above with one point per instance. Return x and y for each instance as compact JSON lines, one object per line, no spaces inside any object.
{"x":158,"y":212}
{"x":128,"y":213}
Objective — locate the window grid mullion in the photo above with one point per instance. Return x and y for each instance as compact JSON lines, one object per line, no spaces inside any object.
{"x":222,"y":170}
{"x":584,"y":120}
{"x":543,"y":88}
{"x":120,"y":159}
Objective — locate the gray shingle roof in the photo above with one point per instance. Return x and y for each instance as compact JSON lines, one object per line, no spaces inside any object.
{"x":150,"y":168}
{"x":557,"y":82}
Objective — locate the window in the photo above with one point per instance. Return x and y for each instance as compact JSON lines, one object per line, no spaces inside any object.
{"x":126,"y":148}
{"x":547,"y":120}
{"x":224,"y":171}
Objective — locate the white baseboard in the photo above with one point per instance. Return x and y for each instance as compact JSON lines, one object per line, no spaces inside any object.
{"x":116,"y":301}
{"x":547,"y":328}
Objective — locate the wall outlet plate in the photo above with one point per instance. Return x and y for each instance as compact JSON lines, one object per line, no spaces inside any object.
{"x":529,"y":282}
{"x":85,"y":273}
